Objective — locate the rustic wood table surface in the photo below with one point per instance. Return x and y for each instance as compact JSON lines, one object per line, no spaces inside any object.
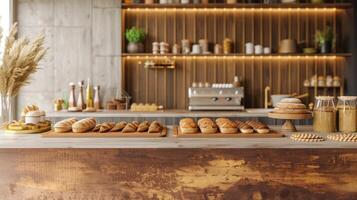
{"x":169,"y":168}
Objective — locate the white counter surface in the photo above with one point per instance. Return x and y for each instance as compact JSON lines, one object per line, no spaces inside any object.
{"x":8,"y":140}
{"x":166,"y":113}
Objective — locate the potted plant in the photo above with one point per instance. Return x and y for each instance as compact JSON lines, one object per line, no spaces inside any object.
{"x":135,"y":37}
{"x":324,"y":39}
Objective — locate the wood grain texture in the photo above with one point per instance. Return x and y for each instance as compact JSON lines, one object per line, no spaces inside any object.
{"x":284,"y":75}
{"x":189,"y":174}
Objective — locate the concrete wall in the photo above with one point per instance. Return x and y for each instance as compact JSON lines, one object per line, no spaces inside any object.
{"x":83,"y":37}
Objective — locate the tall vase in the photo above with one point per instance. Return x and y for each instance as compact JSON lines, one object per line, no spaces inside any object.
{"x":6,"y":108}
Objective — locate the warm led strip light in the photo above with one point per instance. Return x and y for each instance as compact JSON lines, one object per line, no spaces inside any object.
{"x":288,"y":57}
{"x":258,"y":10}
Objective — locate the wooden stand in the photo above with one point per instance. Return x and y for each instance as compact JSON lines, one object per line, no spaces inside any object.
{"x":289,"y":125}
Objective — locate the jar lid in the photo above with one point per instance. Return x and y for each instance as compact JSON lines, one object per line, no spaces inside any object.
{"x":347,"y":98}
{"x":325,"y":98}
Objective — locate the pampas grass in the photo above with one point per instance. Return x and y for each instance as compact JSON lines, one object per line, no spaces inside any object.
{"x":20,"y":60}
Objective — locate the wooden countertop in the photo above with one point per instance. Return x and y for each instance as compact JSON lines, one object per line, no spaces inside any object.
{"x":165,"y":113}
{"x":36,"y":141}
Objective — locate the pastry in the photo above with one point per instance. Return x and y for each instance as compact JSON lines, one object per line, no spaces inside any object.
{"x":155,"y":127}
{"x":84,"y":125}
{"x":258,"y":126}
{"x":227,"y":126}
{"x":130,"y":128}
{"x":64,"y":125}
{"x":143,"y":126}
{"x":207,"y":126}
{"x":106,"y":127}
{"x":96,"y":128}
{"x":136,"y":123}
{"x":307,"y":137}
{"x":346,"y":137}
{"x":188,"y":126}
{"x":118,"y":126}
{"x":244,"y":128}
{"x":220,"y":120}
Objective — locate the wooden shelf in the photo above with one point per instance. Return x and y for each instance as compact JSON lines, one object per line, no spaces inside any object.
{"x":241,"y":5}
{"x":236,"y":55}
{"x":323,"y":87}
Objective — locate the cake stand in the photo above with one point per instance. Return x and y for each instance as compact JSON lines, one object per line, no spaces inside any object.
{"x":289,"y":118}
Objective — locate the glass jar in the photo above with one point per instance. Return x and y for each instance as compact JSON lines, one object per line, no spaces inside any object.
{"x":347,"y":110}
{"x":324,"y":116}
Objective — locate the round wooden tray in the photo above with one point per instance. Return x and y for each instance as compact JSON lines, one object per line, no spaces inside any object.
{"x":289,"y":126}
{"x":289,"y":116}
{"x":29,"y":131}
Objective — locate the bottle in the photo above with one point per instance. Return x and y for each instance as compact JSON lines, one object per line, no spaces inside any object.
{"x":72,"y":97}
{"x":80,"y":102}
{"x":96,"y":98}
{"x":89,"y":94}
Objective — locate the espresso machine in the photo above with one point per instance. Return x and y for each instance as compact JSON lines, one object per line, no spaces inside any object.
{"x":218,"y":96}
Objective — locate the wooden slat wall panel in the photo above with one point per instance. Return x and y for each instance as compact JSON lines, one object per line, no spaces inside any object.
{"x":257,"y":75}
{"x":169,"y":87}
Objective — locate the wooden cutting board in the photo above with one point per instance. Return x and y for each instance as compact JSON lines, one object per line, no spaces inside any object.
{"x":272,"y":134}
{"x":52,"y":134}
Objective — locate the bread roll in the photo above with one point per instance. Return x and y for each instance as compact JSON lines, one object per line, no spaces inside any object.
{"x":188,"y":126}
{"x":207,"y":126}
{"x":244,"y":128}
{"x":259,"y":127}
{"x":84,"y":125}
{"x":227,"y":127}
{"x":64,"y":125}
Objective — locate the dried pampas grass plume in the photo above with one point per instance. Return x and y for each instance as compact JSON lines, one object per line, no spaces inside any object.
{"x":20,"y":60}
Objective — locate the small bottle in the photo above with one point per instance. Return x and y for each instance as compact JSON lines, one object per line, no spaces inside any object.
{"x":89,"y":95}
{"x":236,"y":82}
{"x":72,"y":97}
{"x":96,"y":98}
{"x":80,"y":102}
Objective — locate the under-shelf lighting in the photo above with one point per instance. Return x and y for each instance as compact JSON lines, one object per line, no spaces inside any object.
{"x":225,"y":10}
{"x":238,"y":57}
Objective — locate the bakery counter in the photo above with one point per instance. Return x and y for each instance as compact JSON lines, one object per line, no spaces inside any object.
{"x":169,"y":168}
{"x":161,"y":114}
{"x":170,"y":141}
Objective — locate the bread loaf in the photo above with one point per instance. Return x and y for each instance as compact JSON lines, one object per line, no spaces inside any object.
{"x":84,"y":125}
{"x":64,"y":125}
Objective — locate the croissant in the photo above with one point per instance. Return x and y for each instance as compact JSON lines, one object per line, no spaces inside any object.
{"x":155,"y":127}
{"x":118,"y":127}
{"x":129,"y":128}
{"x":143,"y":126}
{"x":106,"y":127}
{"x":96,"y":128}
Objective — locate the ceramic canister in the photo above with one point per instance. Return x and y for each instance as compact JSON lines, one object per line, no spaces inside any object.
{"x":258,"y":49}
{"x":249,"y":48}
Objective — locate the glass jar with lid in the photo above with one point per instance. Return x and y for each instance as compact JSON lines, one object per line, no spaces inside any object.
{"x":324,"y":116}
{"x":347,"y":110}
